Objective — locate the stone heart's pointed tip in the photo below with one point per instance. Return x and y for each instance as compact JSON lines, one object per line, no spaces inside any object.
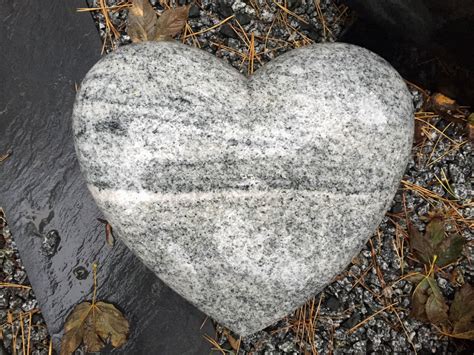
{"x":244,"y":330}
{"x":251,"y":326}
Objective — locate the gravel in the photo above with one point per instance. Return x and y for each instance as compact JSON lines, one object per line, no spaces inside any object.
{"x":371,"y":283}
{"x":14,"y":301}
{"x":275,"y":31}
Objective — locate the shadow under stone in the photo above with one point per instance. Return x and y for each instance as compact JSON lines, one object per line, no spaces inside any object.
{"x":46,"y":49}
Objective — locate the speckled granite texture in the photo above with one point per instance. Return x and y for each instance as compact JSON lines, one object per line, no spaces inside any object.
{"x":246,"y":196}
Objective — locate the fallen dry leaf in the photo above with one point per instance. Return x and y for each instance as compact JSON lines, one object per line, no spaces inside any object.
{"x":436,"y":307}
{"x":442,"y":102}
{"x":428,"y":303}
{"x":111,"y":324}
{"x":171,"y":23}
{"x":109,"y":233}
{"x":144,"y":25}
{"x":420,"y":245}
{"x":94,"y":324}
{"x":415,"y":277}
{"x":435,"y":229}
{"x":419,"y":298}
{"x":446,"y":107}
{"x":435,"y":242}
{"x":73,"y":329}
{"x":5,"y":156}
{"x":450,"y":250}
{"x":234,"y":343}
{"x":142,"y":21}
{"x":463,"y":299}
{"x":461,"y":313}
{"x":457,"y":277}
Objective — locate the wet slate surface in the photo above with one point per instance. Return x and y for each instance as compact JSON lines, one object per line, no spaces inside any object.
{"x":47,"y":49}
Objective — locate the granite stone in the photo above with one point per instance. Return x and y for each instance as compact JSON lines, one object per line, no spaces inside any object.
{"x":245,"y":195}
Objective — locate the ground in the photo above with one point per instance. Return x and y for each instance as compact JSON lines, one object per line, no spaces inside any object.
{"x":21,"y":322}
{"x":367,"y":308}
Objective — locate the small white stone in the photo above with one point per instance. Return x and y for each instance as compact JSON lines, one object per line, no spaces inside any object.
{"x":238,"y":5}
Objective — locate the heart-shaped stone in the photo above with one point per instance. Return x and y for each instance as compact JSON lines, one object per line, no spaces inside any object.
{"x":245,"y":196}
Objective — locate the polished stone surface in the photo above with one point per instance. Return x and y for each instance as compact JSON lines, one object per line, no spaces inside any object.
{"x":245,"y":196}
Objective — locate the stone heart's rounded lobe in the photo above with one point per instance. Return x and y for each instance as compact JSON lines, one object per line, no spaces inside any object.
{"x":245,"y":196}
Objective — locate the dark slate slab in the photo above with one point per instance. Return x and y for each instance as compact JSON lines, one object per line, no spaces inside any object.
{"x":46,"y":47}
{"x":428,"y":41}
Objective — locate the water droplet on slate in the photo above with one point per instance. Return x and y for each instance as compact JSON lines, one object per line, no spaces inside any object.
{"x":50,"y":243}
{"x":80,"y":273}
